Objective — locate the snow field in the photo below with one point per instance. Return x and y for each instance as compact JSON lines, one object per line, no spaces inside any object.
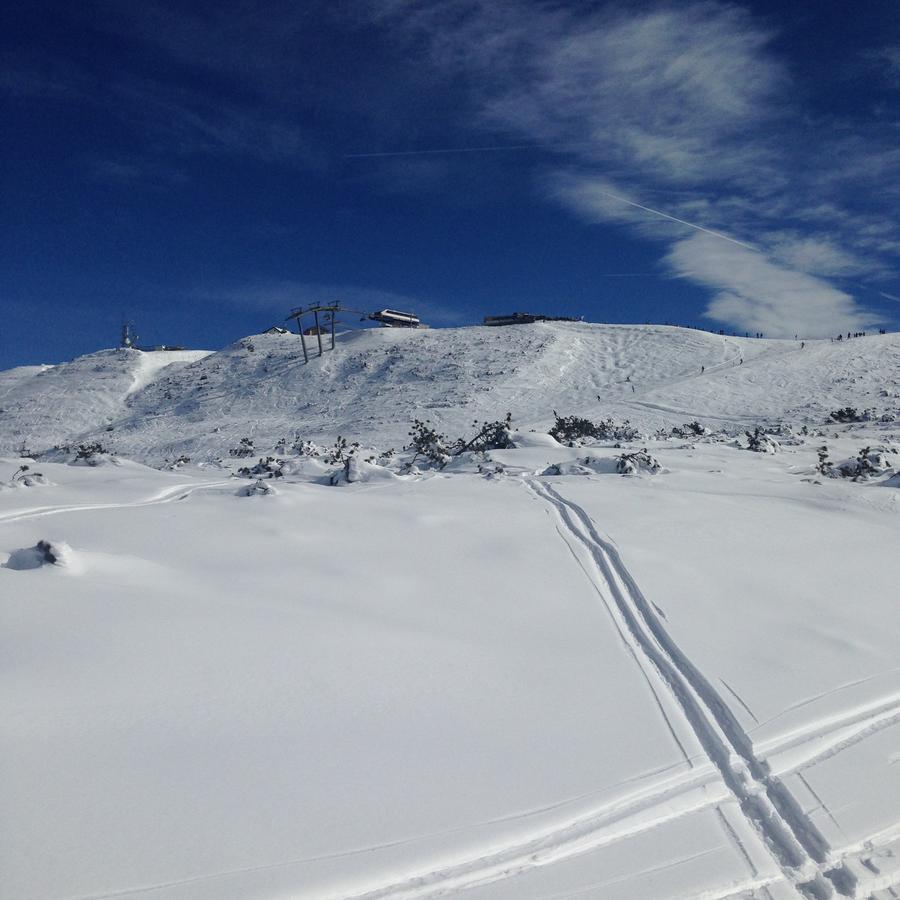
{"x":483,"y":681}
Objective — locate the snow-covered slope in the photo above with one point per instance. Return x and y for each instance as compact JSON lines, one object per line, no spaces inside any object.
{"x":517,"y":676}
{"x":47,"y":405}
{"x":376,"y":382}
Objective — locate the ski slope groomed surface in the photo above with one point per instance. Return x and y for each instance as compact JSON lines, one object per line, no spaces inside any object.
{"x":515,"y":674}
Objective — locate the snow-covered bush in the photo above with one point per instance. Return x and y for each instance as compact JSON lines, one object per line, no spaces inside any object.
{"x":267,"y":467}
{"x":340,"y":452}
{"x":307,"y":448}
{"x":871,"y":462}
{"x":572,"y":430}
{"x":637,"y":462}
{"x":850,"y":414}
{"x":177,"y":463}
{"x":824,"y":465}
{"x":55,"y":553}
{"x":688,"y":430}
{"x":490,"y":436}
{"x":428,"y":444}
{"x":24,"y":476}
{"x":93,"y":454}
{"x":760,"y":442}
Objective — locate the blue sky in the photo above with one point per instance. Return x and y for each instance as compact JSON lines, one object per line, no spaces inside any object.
{"x":201,"y":168}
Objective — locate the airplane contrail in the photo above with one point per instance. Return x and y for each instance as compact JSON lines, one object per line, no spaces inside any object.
{"x":657,"y":212}
{"x":501,"y":147}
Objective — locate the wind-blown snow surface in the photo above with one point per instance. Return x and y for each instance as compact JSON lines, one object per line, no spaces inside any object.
{"x":484,"y":681}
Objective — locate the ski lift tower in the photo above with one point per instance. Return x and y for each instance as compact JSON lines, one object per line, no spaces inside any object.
{"x":330,"y":312}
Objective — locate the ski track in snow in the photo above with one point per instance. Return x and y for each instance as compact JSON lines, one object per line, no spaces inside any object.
{"x":657,"y":802}
{"x":792,"y":839}
{"x":167,"y":495}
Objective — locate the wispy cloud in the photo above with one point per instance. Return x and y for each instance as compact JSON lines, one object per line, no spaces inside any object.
{"x":135,"y":172}
{"x":757,"y":294}
{"x":688,"y":98}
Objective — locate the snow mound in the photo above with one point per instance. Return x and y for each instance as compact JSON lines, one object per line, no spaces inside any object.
{"x":357,"y":470}
{"x":53,"y":553}
{"x":257,"y":488}
{"x":638,"y":463}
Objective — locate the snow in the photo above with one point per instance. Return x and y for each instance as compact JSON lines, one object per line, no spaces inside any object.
{"x":519,"y":676}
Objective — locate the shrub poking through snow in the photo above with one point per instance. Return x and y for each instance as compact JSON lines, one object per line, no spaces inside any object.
{"x":760,"y":442}
{"x":244,"y":449}
{"x":435,"y":448}
{"x":44,"y":553}
{"x":88,"y":451}
{"x":635,"y":463}
{"x":688,"y":430}
{"x":824,"y":465}
{"x":49,"y":553}
{"x":428,"y":444}
{"x":340,"y":452}
{"x":850,"y":414}
{"x":268,"y":467}
{"x":25,"y":477}
{"x":491,"y":436}
{"x":571,"y":430}
{"x":93,"y":454}
{"x":307,"y":448}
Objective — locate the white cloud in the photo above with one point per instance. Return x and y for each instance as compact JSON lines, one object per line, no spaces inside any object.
{"x":684,"y":109}
{"x":757,"y":294}
{"x":815,"y":254}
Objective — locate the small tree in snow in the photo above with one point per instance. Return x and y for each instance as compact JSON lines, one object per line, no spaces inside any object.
{"x":760,"y":442}
{"x":490,"y":436}
{"x":823,"y":466}
{"x":428,"y":444}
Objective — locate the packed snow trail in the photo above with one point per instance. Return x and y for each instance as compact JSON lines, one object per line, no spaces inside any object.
{"x":167,"y":495}
{"x":793,"y":840}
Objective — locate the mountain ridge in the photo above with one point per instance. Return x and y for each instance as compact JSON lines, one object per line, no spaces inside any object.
{"x":156,"y":406}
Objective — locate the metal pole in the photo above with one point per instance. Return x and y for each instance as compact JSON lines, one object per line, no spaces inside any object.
{"x":333,"y":314}
{"x":318,"y":331}
{"x":302,"y":339}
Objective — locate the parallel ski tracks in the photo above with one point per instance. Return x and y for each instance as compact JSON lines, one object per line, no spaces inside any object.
{"x":796,"y":845}
{"x":793,"y":840}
